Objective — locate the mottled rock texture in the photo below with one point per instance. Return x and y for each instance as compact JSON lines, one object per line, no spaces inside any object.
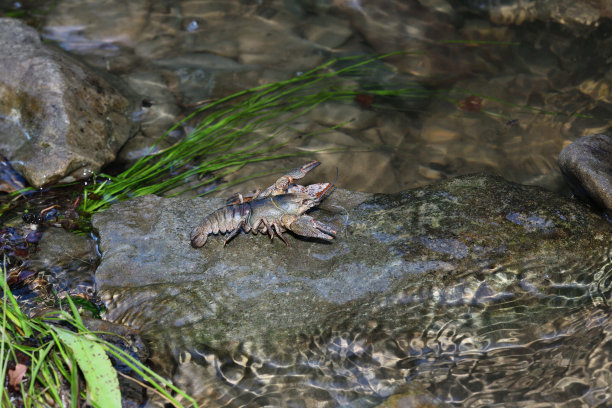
{"x":467,"y":258}
{"x":58,"y":118}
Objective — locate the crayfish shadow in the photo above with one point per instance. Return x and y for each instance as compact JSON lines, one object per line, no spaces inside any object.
{"x":311,"y":239}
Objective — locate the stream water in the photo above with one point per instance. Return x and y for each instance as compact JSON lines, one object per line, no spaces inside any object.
{"x":180,"y":54}
{"x":523,"y":79}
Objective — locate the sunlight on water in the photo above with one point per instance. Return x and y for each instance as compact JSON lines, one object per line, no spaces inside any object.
{"x":465,"y":344}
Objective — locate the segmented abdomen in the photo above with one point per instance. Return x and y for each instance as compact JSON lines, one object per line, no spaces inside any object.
{"x":220,"y":221}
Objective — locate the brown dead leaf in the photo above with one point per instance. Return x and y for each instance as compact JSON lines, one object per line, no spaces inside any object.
{"x":16,"y":375}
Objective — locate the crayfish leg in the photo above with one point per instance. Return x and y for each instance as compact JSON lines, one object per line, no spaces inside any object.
{"x":233,"y":233}
{"x":256,"y":227}
{"x":268,"y":228}
{"x":279,"y":232}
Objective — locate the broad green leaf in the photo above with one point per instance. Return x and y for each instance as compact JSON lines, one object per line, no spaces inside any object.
{"x":101,"y":377}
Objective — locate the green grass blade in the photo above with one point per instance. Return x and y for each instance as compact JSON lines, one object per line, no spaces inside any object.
{"x":226,"y":137}
{"x":158,"y":382}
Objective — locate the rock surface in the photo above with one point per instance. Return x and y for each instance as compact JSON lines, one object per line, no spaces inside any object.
{"x":67,"y":262}
{"x":577,"y":16}
{"x":587,"y":164}
{"x":418,"y":285}
{"x":58,"y":118}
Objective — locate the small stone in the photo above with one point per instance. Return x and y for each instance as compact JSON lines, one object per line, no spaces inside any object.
{"x":327,"y":31}
{"x":349,"y":116}
{"x":33,"y":236}
{"x":137,"y":147}
{"x":437,"y":134}
{"x":371,"y":171}
{"x":440,"y":6}
{"x":271,"y":46}
{"x":599,"y":90}
{"x":413,"y":395}
{"x":330,"y":139}
{"x":215,"y":41}
{"x":429,"y":173}
{"x":161,"y":110}
{"x":59,"y":247}
{"x":83,"y":26}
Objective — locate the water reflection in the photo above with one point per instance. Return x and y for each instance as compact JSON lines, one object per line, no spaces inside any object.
{"x":207,"y":49}
{"x":476,"y":357}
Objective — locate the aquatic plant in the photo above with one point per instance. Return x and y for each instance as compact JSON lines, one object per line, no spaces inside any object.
{"x":45,"y":361}
{"x":229,"y":136}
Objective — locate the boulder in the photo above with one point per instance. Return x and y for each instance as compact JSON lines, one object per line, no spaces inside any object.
{"x":58,"y":118}
{"x":587,"y":165}
{"x":420,"y":286}
{"x":579,"y":17}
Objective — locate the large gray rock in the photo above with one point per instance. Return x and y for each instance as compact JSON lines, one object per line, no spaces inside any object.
{"x":419,"y":286}
{"x":587,"y":165}
{"x":58,"y":118}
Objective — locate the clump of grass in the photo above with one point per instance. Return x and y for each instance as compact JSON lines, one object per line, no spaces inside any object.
{"x":225,"y":139}
{"x":57,"y":355}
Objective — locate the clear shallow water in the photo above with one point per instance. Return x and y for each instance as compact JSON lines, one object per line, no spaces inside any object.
{"x":548,"y":348}
{"x":181,"y":54}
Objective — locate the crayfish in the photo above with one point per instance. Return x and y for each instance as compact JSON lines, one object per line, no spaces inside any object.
{"x":278,"y":208}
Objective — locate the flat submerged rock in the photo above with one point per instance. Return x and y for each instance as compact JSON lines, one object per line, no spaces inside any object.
{"x":415,"y":285}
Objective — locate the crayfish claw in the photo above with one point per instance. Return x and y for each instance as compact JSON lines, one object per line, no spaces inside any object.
{"x":283,"y":183}
{"x":307,"y":226}
{"x":301,"y":171}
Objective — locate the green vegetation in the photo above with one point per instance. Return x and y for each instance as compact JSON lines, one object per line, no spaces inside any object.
{"x":54,"y":360}
{"x":229,"y":136}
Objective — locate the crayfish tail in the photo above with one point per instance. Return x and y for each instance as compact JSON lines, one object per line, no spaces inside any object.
{"x":199,"y":235}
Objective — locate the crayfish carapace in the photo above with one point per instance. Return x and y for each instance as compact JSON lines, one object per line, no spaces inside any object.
{"x":279,"y":208}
